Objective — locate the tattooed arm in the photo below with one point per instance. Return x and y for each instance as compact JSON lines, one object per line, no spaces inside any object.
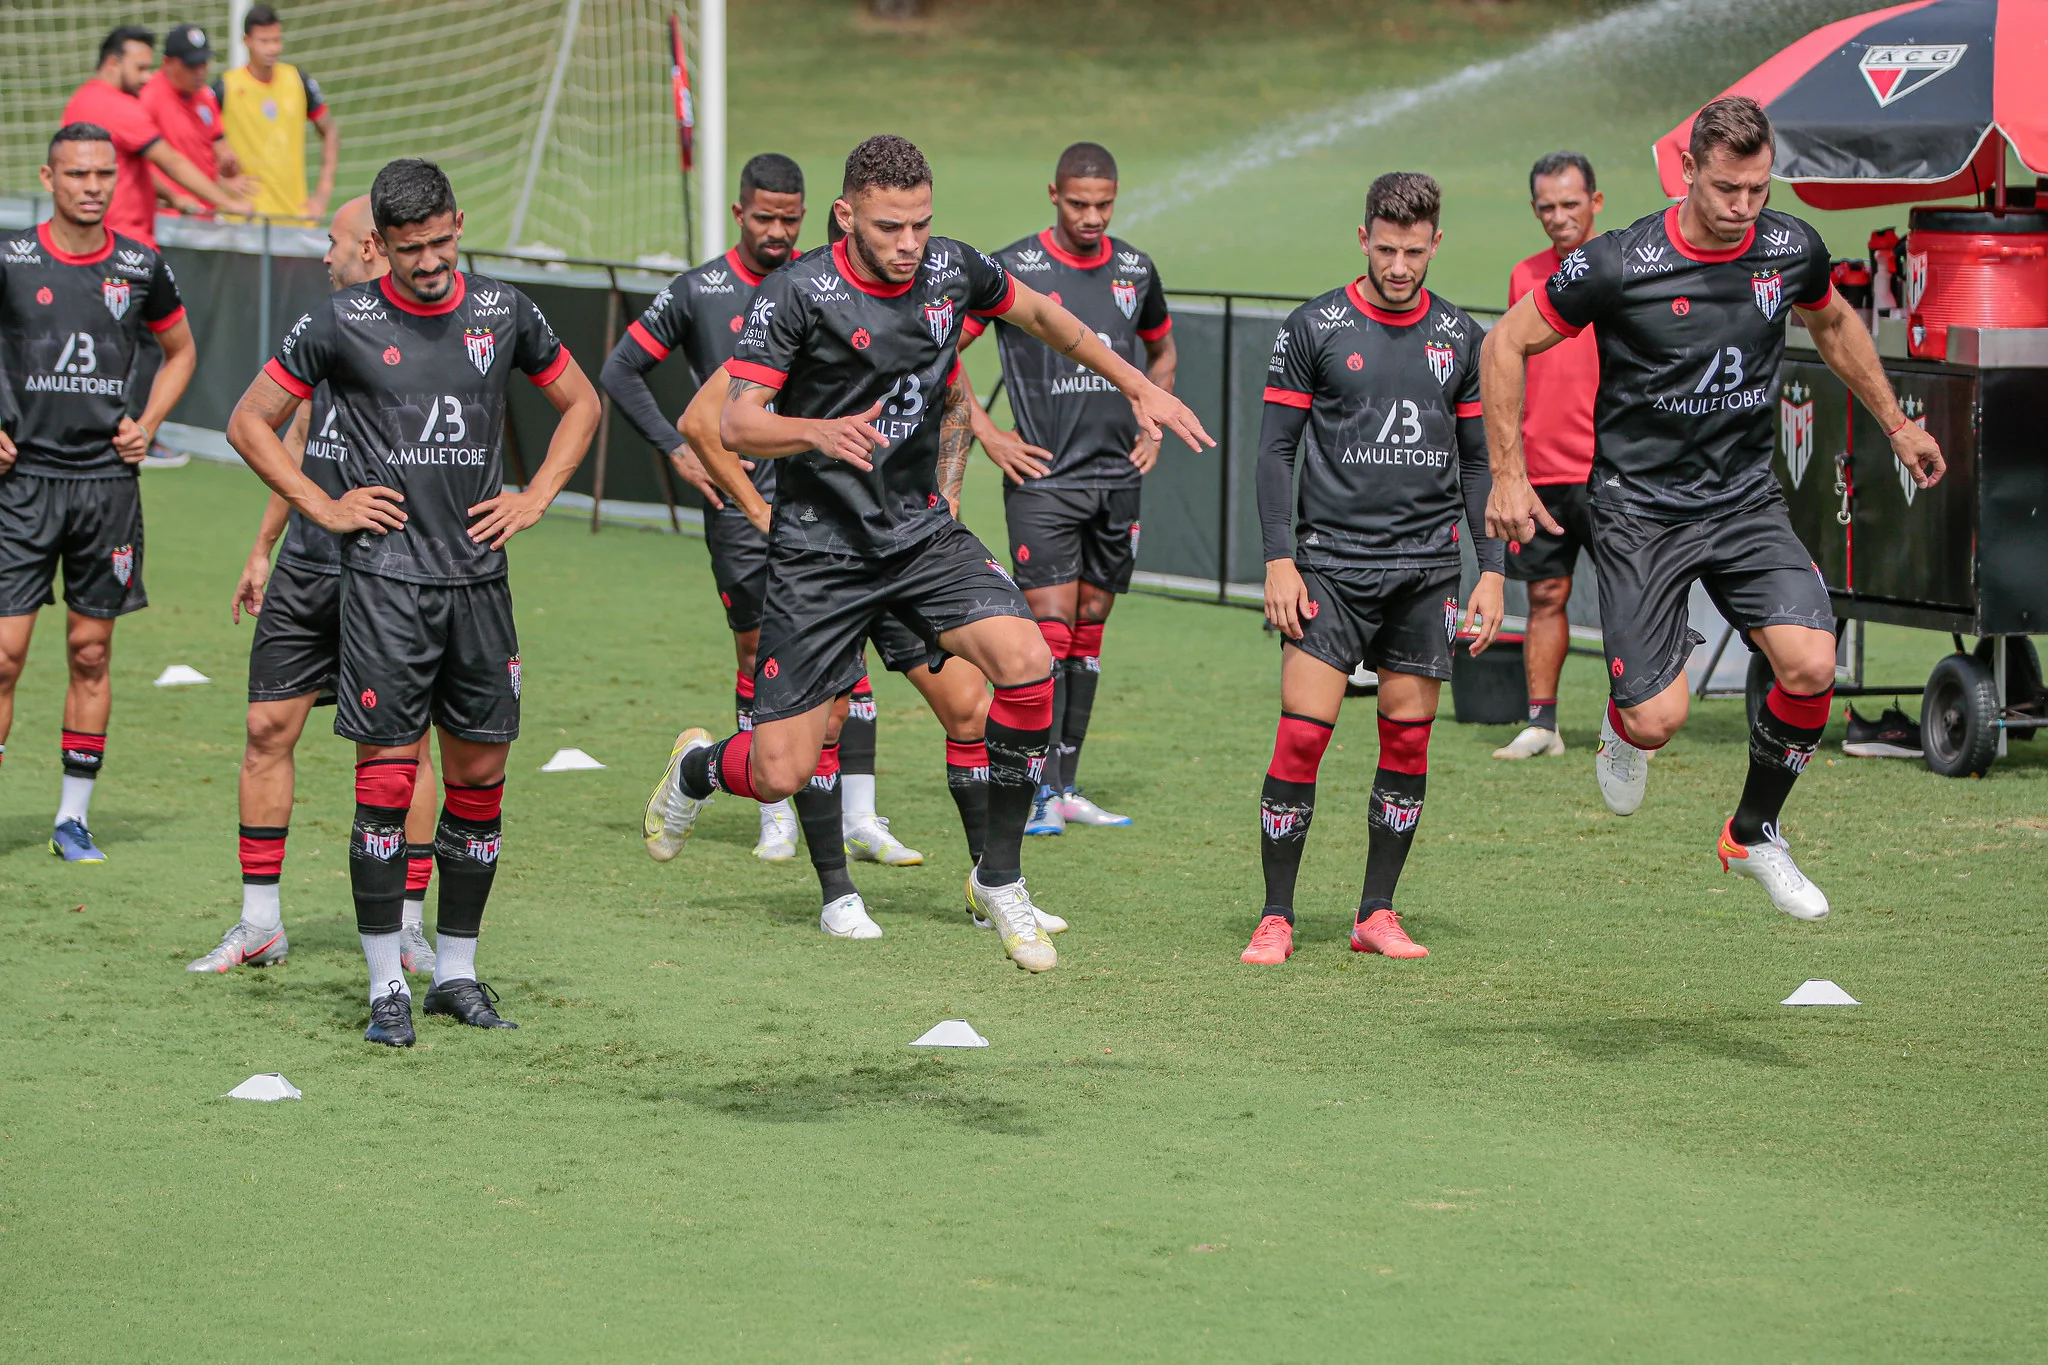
{"x":749,"y":428}
{"x":956,"y":438}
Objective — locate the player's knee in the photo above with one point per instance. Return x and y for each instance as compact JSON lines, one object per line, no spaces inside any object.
{"x":1808,"y":674}
{"x":1298,"y":748}
{"x":89,"y":659}
{"x":270,"y":736}
{"x":1656,"y":720}
{"x":1549,"y":595}
{"x":778,"y":776}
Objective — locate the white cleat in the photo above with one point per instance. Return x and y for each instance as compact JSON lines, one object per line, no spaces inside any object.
{"x":1533,"y":742}
{"x":243,"y":945}
{"x":1077,"y":809}
{"x":670,"y":815}
{"x":778,"y":833}
{"x":1770,"y":865}
{"x":1622,"y":769}
{"x":1048,"y":923}
{"x":1009,"y":910}
{"x":869,"y":841}
{"x":847,"y":917}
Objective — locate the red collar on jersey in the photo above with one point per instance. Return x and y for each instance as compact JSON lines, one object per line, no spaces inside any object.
{"x":425,"y":310}
{"x":739,"y":265}
{"x":1693,"y":253}
{"x":1068,"y":258}
{"x":64,"y":257}
{"x":1379,"y":314}
{"x":880,"y":291}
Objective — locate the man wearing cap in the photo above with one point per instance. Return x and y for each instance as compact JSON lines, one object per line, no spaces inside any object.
{"x":187,"y":114}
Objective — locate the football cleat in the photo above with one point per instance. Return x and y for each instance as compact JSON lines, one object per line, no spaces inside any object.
{"x":1770,"y":865}
{"x":778,"y":833}
{"x":1048,"y":923}
{"x":1622,"y":770}
{"x":871,"y":842}
{"x":1533,"y":742}
{"x":847,"y":917}
{"x":470,"y":1002}
{"x":1015,"y":919}
{"x":1272,"y":942}
{"x":1076,"y":809}
{"x":72,"y":842}
{"x":1891,"y":735}
{"x":670,"y":815}
{"x":391,"y":1018}
{"x":1381,"y":932}
{"x":415,"y":954}
{"x":243,"y":945}
{"x":1046,"y":817}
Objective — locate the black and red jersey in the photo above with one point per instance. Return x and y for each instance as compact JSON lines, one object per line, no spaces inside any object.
{"x":69,"y":329}
{"x":1063,"y":406}
{"x":1690,"y":344}
{"x":1386,"y":417}
{"x":419,"y":397}
{"x":831,"y":343}
{"x":307,"y":543}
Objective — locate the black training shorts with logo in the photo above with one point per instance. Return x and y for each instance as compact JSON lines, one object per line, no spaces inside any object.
{"x":1392,"y":620}
{"x":1749,"y":560}
{"x":92,"y":526}
{"x":414,"y":654}
{"x":739,"y":566}
{"x":1549,"y":556}
{"x":297,"y":647}
{"x":1058,"y":535}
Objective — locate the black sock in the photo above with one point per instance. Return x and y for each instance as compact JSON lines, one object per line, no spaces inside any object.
{"x":1062,"y":695}
{"x":1285,"y":810}
{"x":857,"y":735}
{"x":1779,"y":751}
{"x":1543,"y":714}
{"x":376,"y":868}
{"x":967,"y":779}
{"x":1394,"y":809}
{"x":1016,"y":767}
{"x":818,"y":811}
{"x":1082,"y":676}
{"x":466,"y":855}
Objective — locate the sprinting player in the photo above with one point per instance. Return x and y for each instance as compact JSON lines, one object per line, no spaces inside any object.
{"x":700,"y":312}
{"x":1074,"y":463}
{"x":1557,"y":441}
{"x":1362,"y":564}
{"x":1691,"y":304}
{"x":852,"y":345}
{"x":294,"y":660}
{"x":265,"y":109}
{"x":417,"y":364}
{"x":77,"y":301}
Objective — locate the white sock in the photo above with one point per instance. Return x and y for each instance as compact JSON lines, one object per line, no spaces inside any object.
{"x":454,"y":959}
{"x":857,"y":798}
{"x":414,"y":912}
{"x":381,"y":952}
{"x":76,"y":801}
{"x":260,"y":906}
{"x":774,"y":811}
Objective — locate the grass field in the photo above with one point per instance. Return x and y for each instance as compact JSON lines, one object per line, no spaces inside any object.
{"x":1581,"y":1130}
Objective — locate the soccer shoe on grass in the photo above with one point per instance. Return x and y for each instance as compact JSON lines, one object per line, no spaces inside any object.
{"x":1272,"y":943}
{"x":1533,"y":742}
{"x":391,"y":1018}
{"x":469,"y":1002}
{"x":870,"y":841}
{"x":1770,"y":865}
{"x":1891,"y":735}
{"x":243,"y":945}
{"x":1015,"y":919}
{"x":1622,"y":769}
{"x":1048,"y":922}
{"x":670,"y":815}
{"x":1046,"y":816}
{"x":1076,"y":809}
{"x":778,"y":833}
{"x":415,"y":954}
{"x":1381,"y":932}
{"x":847,"y":917}
{"x":72,"y":842}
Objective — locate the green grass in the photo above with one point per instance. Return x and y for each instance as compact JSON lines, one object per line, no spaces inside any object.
{"x":1581,"y":1130}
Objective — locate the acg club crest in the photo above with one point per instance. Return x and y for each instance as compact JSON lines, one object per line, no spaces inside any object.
{"x":1916,"y":279}
{"x":485,"y":849}
{"x":124,"y":564}
{"x":1451,"y":619}
{"x":512,"y":671}
{"x":116,"y":293}
{"x":1442,"y":359}
{"x":1896,"y":71}
{"x":482,"y":347}
{"x":939,"y":317}
{"x":1795,"y":429}
{"x":1767,"y":287}
{"x":1126,"y":295}
{"x":1915,"y":409}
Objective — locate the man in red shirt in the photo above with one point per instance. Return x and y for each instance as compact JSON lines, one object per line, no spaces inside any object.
{"x":1557,"y":437}
{"x":184,"y":109}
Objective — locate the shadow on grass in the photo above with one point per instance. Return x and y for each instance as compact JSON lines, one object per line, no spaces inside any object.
{"x":924,"y":1086}
{"x":24,"y":831}
{"x":1632,"y":1039}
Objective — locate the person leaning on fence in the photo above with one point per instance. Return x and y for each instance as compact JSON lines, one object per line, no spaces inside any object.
{"x":265,"y":107}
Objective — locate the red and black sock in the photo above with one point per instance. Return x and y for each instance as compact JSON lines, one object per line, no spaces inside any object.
{"x":1059,"y":638}
{"x":466,"y":844}
{"x":83,"y":753}
{"x":1543,"y":713}
{"x":821,"y":813}
{"x":1084,"y":671}
{"x":720,"y":767}
{"x":376,"y":850}
{"x":419,"y":870}
{"x":743,"y":701}
{"x":1781,"y":744}
{"x":1287,"y":805}
{"x":967,"y":779}
{"x":1395,"y":808}
{"x":262,"y":854}
{"x":857,"y":735}
{"x":1019,"y":733}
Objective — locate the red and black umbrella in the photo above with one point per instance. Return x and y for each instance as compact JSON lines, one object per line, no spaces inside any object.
{"x":1915,"y":102}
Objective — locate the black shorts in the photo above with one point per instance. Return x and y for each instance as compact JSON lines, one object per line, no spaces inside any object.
{"x":821,"y":608}
{"x":413,"y":653}
{"x":297,"y":649}
{"x":739,"y":566}
{"x":1750,"y":561}
{"x":1399,"y":620}
{"x":1549,"y":556}
{"x":94,"y":526}
{"x":1058,"y":535}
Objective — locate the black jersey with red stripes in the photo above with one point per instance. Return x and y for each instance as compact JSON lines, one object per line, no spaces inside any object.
{"x":1385,"y":393}
{"x":419,"y":396}
{"x":69,"y":330}
{"x":832,"y":344}
{"x":1065,"y":407}
{"x":1691,"y":342}
{"x":306,"y":542}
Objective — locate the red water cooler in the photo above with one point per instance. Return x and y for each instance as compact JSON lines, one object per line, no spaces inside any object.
{"x":1968,"y":267}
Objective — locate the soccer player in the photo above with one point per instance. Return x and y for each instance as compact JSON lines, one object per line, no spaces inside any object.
{"x":265,"y":107}
{"x":76,"y":302}
{"x":1557,"y":441}
{"x":1691,"y":306}
{"x":852,"y":344}
{"x":295,"y":657}
{"x":1074,"y":463}
{"x":700,"y":313}
{"x":186,"y":112}
{"x":417,"y":365}
{"x":1362,"y":563}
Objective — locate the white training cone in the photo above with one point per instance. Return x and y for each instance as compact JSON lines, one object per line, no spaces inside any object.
{"x":180,"y":675}
{"x":952,"y":1033}
{"x":570,"y":761}
{"x":1819,"y":992}
{"x":268,"y":1086}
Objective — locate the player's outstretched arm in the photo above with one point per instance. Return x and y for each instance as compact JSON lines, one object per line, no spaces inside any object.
{"x":1513,"y":511}
{"x":252,"y":431}
{"x":181,"y":356}
{"x":1016,"y":457}
{"x":1844,"y":343}
{"x":1162,"y":362}
{"x":505,"y":516}
{"x":711,"y":468}
{"x":1154,"y":407}
{"x":276,"y":511}
{"x":748,"y":427}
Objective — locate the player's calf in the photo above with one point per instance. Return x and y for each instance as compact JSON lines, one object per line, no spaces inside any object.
{"x":467,"y":841}
{"x":376,"y":872}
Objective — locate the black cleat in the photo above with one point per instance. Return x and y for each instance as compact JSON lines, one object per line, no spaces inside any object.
{"x":468,"y":1001}
{"x":391,"y":1018}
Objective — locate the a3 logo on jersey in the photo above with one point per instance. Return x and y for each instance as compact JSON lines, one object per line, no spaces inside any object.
{"x":1795,"y":429}
{"x":1442,"y":360}
{"x":482,"y":347}
{"x":512,"y":671}
{"x":1767,"y":287}
{"x":1915,"y":409}
{"x":116,"y":294}
{"x":123,"y":558}
{"x":939,"y":317}
{"x":1126,"y":295}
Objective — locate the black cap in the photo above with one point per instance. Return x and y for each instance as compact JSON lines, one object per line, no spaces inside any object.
{"x":187,"y":42}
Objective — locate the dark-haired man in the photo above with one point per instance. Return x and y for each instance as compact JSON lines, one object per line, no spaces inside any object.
{"x":1074,"y":464}
{"x":418,"y":364}
{"x":1376,"y":385}
{"x":1691,"y":305}
{"x":266,"y":107}
{"x":78,"y":302}
{"x":853,"y":345}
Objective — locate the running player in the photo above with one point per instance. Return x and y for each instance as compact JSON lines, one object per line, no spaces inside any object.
{"x":1557,"y":439}
{"x":1074,"y":463}
{"x":294,"y":658}
{"x":417,"y":365}
{"x":701,"y":312}
{"x":1691,"y":304}
{"x":851,"y":344}
{"x":1362,"y":564}
{"x":76,"y":303}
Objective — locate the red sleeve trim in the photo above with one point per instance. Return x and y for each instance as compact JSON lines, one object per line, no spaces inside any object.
{"x":1154,"y":333}
{"x":286,"y":380}
{"x":1549,"y":312}
{"x":646,"y":340}
{"x":1469,"y":410}
{"x":1825,"y":300}
{"x":1286,"y":398}
{"x":953,"y":376}
{"x":554,"y":369}
{"x":165,"y":324}
{"x":1009,"y":299}
{"x":756,"y":374}
{"x":974,"y":326}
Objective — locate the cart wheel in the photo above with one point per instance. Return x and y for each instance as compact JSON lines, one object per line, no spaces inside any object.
{"x":1756,"y":685}
{"x":1959,"y":718}
{"x":2023,"y":689}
